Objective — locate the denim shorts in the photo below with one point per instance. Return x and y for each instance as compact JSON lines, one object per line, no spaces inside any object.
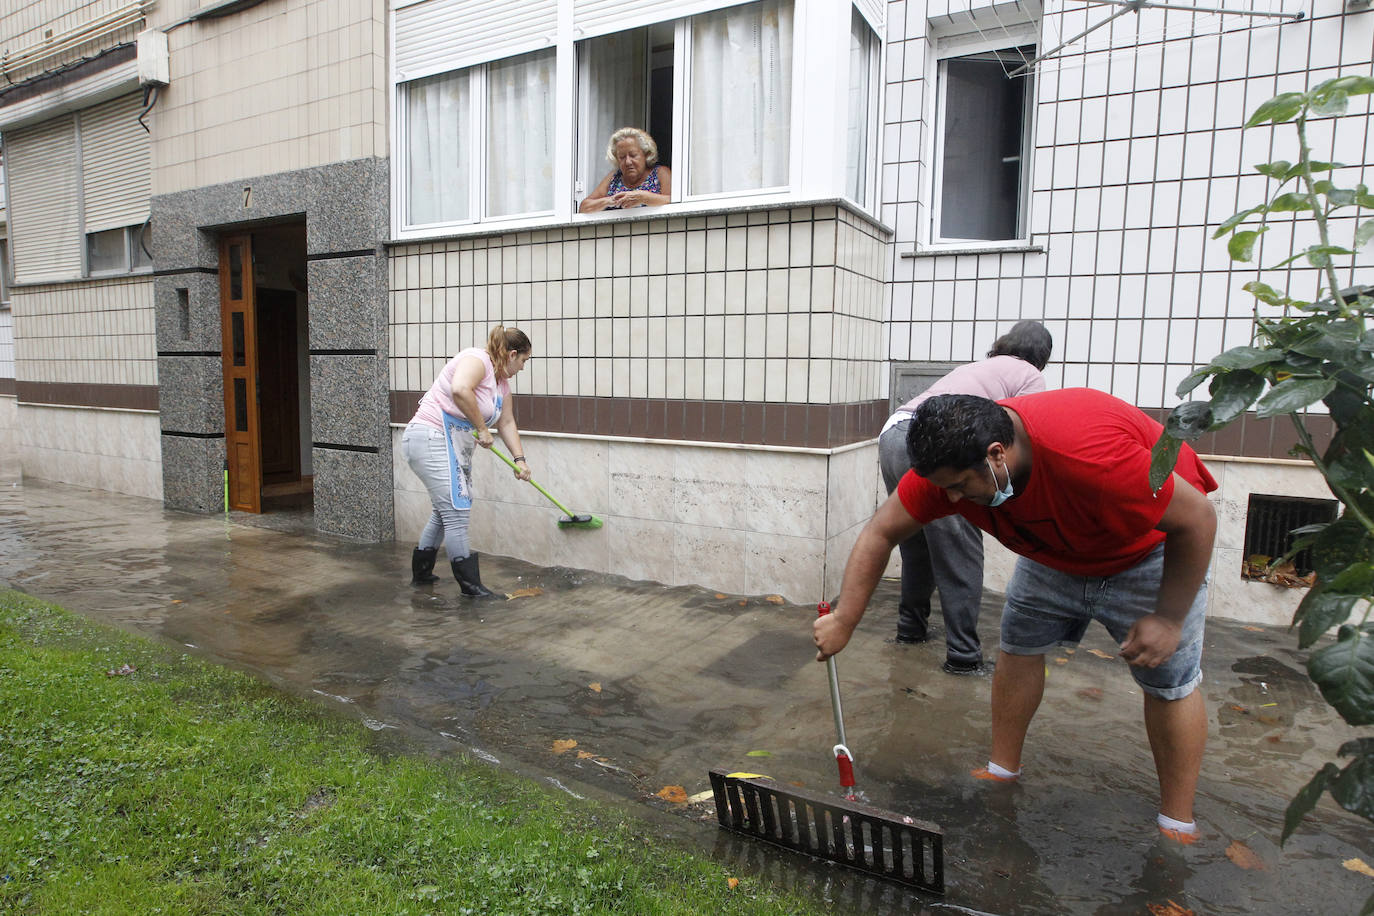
{"x":1046,"y":608}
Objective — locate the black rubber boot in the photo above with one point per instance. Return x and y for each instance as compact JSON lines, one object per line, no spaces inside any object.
{"x":469,"y":579}
{"x":422,"y":566}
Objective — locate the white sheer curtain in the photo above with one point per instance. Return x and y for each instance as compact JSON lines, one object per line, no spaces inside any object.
{"x":861,"y":55}
{"x":741,"y":98}
{"x":614,"y":85}
{"x":439,"y":128}
{"x":520,"y":153}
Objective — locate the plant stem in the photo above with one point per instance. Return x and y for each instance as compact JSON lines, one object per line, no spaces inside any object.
{"x":1319,"y":214}
{"x":1337,"y":490}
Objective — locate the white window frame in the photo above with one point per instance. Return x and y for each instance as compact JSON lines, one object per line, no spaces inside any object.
{"x":131,"y":237}
{"x":875,"y":120}
{"x":952,"y":47}
{"x":816,"y":166}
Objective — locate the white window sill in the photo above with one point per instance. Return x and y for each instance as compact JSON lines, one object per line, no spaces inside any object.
{"x":935,"y":251}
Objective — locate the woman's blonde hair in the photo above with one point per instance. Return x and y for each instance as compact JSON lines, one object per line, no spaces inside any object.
{"x":646,"y":143}
{"x":502,"y":342}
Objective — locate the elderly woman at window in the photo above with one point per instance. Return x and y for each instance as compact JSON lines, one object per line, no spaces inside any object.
{"x":638,"y":181}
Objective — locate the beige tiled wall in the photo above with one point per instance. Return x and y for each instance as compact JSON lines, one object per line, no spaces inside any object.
{"x":91,"y":332}
{"x":31,"y":22}
{"x":115,"y":450}
{"x":779,"y":306}
{"x":742,"y":520}
{"x":281,"y":86}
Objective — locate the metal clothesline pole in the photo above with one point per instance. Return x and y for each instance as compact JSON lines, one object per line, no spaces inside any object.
{"x":1135,"y":6}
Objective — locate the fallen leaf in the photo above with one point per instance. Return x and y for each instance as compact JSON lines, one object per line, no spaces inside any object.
{"x":774,"y":599}
{"x":1091,"y":693}
{"x":742,"y":603}
{"x":583,"y":755}
{"x":1254,"y":629}
{"x":594,"y":686}
{"x":720,"y":597}
{"x":746,"y":776}
{"x":733,"y":882}
{"x":675,"y":794}
{"x":524,"y":593}
{"x":759,"y":754}
{"x":1239,"y":708}
{"x":1100,"y":654}
{"x":1244,"y":857}
{"x":121,"y":671}
{"x":1061,"y":661}
{"x":700,"y":797}
{"x":798,"y":783}
{"x":563,"y":745}
{"x":1359,"y":865}
{"x":176,"y":601}
{"x":1168,"y":909}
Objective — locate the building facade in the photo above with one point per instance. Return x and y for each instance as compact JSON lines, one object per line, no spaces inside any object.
{"x":246,"y":234}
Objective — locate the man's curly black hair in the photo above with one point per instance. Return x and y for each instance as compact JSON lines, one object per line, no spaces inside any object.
{"x":954,"y":431}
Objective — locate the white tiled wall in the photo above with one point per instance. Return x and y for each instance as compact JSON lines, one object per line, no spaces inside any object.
{"x":95,"y":332}
{"x":115,"y":450}
{"x":1138,"y":154}
{"x":278,"y":87}
{"x":778,"y":306}
{"x":6,"y":343}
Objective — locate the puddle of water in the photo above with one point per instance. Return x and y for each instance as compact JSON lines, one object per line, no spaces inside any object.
{"x":658,"y":685}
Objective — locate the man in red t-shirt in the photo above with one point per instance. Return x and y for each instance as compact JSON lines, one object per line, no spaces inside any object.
{"x":1062,"y":478}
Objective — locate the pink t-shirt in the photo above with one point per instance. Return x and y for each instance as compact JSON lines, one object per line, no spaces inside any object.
{"x":994,"y":378}
{"x":438,"y":400}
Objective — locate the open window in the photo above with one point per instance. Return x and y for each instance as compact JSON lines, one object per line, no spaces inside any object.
{"x":983,"y":121}
{"x":862,"y":128}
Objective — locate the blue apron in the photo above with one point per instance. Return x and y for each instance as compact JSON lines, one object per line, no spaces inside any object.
{"x":460,"y":440}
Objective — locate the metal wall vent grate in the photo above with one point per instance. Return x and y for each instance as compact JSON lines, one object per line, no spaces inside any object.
{"x":1268,"y":523}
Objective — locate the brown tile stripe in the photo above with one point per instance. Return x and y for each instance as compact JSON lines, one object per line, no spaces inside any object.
{"x":71,"y":394}
{"x":6,"y":386}
{"x":1251,"y":437}
{"x":809,"y":425}
{"x":798,"y":425}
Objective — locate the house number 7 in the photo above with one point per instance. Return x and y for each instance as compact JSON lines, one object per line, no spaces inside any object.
{"x":247,"y":198}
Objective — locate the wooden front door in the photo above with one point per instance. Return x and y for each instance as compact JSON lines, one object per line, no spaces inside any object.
{"x":239,"y":350}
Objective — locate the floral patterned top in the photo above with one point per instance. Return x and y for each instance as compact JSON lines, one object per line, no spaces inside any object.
{"x":650,"y":183}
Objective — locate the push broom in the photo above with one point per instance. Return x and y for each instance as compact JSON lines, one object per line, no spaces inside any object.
{"x":569,"y":520}
{"x":879,"y":842}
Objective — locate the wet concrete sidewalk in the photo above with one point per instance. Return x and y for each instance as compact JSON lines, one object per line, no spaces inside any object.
{"x":657,"y":685}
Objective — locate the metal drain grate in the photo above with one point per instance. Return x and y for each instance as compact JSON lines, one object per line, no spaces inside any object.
{"x":1270,"y":519}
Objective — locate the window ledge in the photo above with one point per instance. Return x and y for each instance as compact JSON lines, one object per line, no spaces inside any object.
{"x":650,"y":215}
{"x":990,"y":249}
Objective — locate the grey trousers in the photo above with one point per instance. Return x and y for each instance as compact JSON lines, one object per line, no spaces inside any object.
{"x":946,"y":554}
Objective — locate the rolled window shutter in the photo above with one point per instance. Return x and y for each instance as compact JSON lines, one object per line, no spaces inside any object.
{"x":116,"y":176}
{"x":44,"y":221}
{"x":436,"y":36}
{"x":602,"y":17}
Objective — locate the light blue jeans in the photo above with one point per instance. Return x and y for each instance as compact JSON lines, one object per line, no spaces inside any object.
{"x":424,"y":449}
{"x":1047,"y":608}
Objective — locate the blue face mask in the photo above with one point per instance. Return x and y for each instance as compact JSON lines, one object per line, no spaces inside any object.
{"x":1003,"y":493}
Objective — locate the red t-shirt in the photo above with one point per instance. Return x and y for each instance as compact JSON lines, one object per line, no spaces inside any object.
{"x":1086,"y":509}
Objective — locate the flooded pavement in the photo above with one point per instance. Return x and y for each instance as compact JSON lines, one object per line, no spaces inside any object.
{"x":657,"y":685}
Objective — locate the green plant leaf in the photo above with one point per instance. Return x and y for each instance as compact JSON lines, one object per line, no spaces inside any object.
{"x":1320,"y":255}
{"x":1197,"y":377}
{"x":1266,"y":293}
{"x":1163,"y":457}
{"x":1344,"y":673}
{"x":1293,"y":394}
{"x":1246,"y":357}
{"x":1236,"y":219}
{"x":1291,"y":202}
{"x":1280,"y":169}
{"x":1241,"y":247}
{"x":1340,"y":544}
{"x":1232,"y":393}
{"x":1356,"y":579}
{"x":1189,"y":420}
{"x":1332,"y":103}
{"x":1307,"y":799}
{"x":1283,"y":107}
{"x":1350,"y":85}
{"x":1319,"y":611}
{"x":1337,"y":341}
{"x":1363,"y":234}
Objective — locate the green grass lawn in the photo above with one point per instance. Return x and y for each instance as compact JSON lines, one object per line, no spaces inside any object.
{"x":183,"y":787}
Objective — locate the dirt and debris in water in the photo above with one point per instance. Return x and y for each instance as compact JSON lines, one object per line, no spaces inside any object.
{"x":658,"y":685}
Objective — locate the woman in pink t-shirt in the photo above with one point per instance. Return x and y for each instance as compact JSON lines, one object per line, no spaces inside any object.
{"x":456,"y":414}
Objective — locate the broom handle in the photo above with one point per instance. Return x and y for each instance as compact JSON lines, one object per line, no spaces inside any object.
{"x":498,"y":453}
{"x":822,"y":610}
